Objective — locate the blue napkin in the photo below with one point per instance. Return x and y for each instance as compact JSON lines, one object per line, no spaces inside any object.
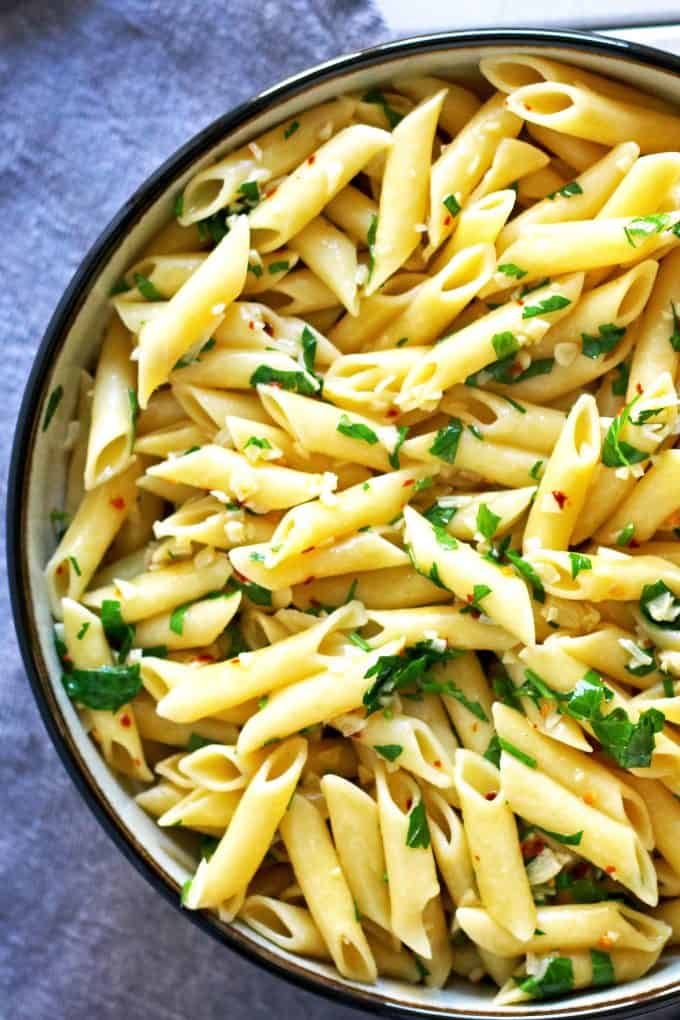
{"x":95,"y":95}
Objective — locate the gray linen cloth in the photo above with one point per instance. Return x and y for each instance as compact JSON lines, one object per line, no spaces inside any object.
{"x":95,"y":94}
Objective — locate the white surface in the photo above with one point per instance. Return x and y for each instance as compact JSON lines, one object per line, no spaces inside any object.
{"x":405,"y":17}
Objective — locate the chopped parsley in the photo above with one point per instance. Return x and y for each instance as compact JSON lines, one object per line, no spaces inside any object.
{"x":579,"y":562}
{"x":452,"y":204}
{"x":179,"y":205}
{"x":190,"y":358}
{"x":208,"y":846}
{"x":439,"y":515}
{"x":615,"y":451}
{"x":389,"y":751}
{"x":644,"y":668}
{"x":134,"y":415}
{"x":106,"y":688}
{"x":620,"y":383}
{"x":259,"y":441}
{"x":645,"y":226}
{"x":536,"y":470}
{"x":359,"y":641}
{"x":376,"y":97}
{"x":53,"y":402}
{"x":510,"y":269}
{"x":423,"y":483}
{"x":355,"y":430}
{"x":83,"y":631}
{"x":668,"y":616}
{"x":504,"y":344}
{"x":573,"y":839}
{"x":487,"y":522}
{"x":393,"y":457}
{"x":255,"y":269}
{"x":479,"y":592}
{"x":196,"y":742}
{"x":370,"y":242}
{"x":603,"y":968}
{"x":291,"y":129}
{"x":255,"y":592}
{"x":505,"y":371}
{"x":445,"y":445}
{"x":625,"y":536}
{"x":550,"y":304}
{"x":119,"y":634}
{"x":557,"y":979}
{"x":146,"y":288}
{"x":298,"y":382}
{"x":674,"y":338}
{"x":177,"y":618}
{"x":476,"y":432}
{"x":567,"y":191}
{"x":418,"y":834}
{"x":526,"y":759}
{"x":410,"y":670}
{"x":281,"y":266}
{"x":527,"y":572}
{"x":610,"y":335}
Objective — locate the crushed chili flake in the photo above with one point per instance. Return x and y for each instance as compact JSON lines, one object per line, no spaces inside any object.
{"x":589,"y":798}
{"x":236,"y":661}
{"x":125,"y":720}
{"x":205,"y":658}
{"x":251,"y":324}
{"x":311,"y":159}
{"x":392,"y":413}
{"x":559,"y":497}
{"x":447,"y":220}
{"x":638,"y":388}
{"x":610,"y":869}
{"x":490,"y":796}
{"x":118,"y":503}
{"x":604,"y":942}
{"x":409,"y":803}
{"x":309,"y":549}
{"x":60,"y":569}
{"x":437,"y":764}
{"x":309,"y":579}
{"x":409,"y":481}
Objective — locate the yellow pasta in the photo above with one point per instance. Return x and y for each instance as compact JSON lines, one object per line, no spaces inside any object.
{"x":370,"y":539}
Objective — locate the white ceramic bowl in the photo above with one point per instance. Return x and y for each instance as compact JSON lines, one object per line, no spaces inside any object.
{"x":38,"y":475}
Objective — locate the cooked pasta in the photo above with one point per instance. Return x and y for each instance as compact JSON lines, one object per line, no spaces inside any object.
{"x":379,"y":595}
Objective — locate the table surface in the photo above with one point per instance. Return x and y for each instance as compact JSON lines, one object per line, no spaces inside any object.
{"x":97,"y":93}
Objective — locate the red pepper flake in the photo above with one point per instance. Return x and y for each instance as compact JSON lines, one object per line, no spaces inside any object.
{"x":520,"y":301}
{"x":251,"y":324}
{"x":272,"y":191}
{"x":490,"y":796}
{"x":589,"y":798}
{"x":605,"y":942}
{"x":409,"y":803}
{"x":610,"y":869}
{"x":392,"y":413}
{"x":311,"y":159}
{"x":205,"y":658}
{"x":447,"y":220}
{"x":559,"y":497}
{"x":437,"y":764}
{"x":118,"y":503}
{"x":125,"y":720}
{"x":409,"y":481}
{"x":60,"y":569}
{"x":309,"y":579}
{"x":240,"y":577}
{"x":310,"y":549}
{"x":136,"y":762}
{"x":235,"y":662}
{"x":638,"y":388}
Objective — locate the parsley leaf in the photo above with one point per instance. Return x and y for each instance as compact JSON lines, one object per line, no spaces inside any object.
{"x":418,"y":834}
{"x":567,"y":191}
{"x":504,"y":344}
{"x":620,"y":384}
{"x":399,"y":672}
{"x":674,"y":338}
{"x":594,"y":346}
{"x":445,"y":445}
{"x":355,"y":430}
{"x":376,"y":96}
{"x":479,"y":592}
{"x":255,"y":592}
{"x":603,"y":968}
{"x":389,"y":751}
{"x":615,"y":451}
{"x":510,"y":269}
{"x":579,"y":562}
{"x":536,"y":469}
{"x":550,"y":304}
{"x":298,"y":382}
{"x":526,"y":759}
{"x":439,"y":515}
{"x":119,"y":634}
{"x":106,"y":688}
{"x":625,"y":536}
{"x":146,"y":288}
{"x":487,"y":522}
{"x":573,"y":839}
{"x":402,"y":432}
{"x":53,"y":402}
{"x":452,"y":204}
{"x":291,"y":129}
{"x":557,"y":980}
{"x":645,"y":226}
{"x":525,"y":570}
{"x":177,"y":618}
{"x":370,"y":242}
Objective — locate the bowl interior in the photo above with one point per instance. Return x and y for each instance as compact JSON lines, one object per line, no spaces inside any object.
{"x":39,"y":481}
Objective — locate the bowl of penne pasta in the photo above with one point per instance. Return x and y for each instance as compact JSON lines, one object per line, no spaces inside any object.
{"x":344,"y":528}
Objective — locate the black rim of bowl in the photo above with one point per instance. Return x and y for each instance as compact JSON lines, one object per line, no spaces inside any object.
{"x":27,"y":424}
